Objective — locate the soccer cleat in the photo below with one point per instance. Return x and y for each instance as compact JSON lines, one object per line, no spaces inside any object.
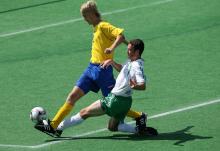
{"x":58,"y":133}
{"x":141,"y":123}
{"x":150,"y":131}
{"x":45,"y":127}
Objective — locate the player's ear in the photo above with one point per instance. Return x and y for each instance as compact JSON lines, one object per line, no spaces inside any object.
{"x":137,"y":52}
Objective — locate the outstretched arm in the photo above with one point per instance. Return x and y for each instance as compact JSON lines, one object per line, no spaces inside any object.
{"x":119,"y":39}
{"x":111,"y":62}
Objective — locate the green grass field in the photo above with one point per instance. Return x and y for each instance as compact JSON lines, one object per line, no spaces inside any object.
{"x":45,"y":46}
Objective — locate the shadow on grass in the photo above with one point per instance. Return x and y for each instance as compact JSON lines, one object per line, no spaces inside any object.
{"x":180,"y":137}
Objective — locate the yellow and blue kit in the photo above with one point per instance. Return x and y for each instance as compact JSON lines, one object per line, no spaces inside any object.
{"x":104,"y":36}
{"x":94,"y":77}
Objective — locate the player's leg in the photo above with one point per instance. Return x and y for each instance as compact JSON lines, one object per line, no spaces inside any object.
{"x":124,"y":127}
{"x":141,"y":127}
{"x":83,"y":86}
{"x":117,"y":107}
{"x":133,"y":114}
{"x":95,"y":109}
{"x":115,"y":125}
{"x":140,"y":118}
{"x":49,"y":127}
{"x":106,"y":84}
{"x":92,"y":110}
{"x":73,"y":96}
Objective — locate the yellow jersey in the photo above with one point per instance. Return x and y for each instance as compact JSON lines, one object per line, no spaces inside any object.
{"x":104,"y":35}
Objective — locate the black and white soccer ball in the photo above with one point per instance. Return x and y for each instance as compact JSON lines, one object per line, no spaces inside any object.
{"x":38,"y":114}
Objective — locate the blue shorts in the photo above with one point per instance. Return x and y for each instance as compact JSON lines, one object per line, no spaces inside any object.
{"x":95,"y":78}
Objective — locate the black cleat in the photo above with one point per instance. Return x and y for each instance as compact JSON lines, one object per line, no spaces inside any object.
{"x":45,"y":127}
{"x":58,"y":133}
{"x":149,"y":131}
{"x":141,"y":123}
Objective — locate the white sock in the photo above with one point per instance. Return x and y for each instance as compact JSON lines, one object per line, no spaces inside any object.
{"x":72,"y":121}
{"x":123,"y":127}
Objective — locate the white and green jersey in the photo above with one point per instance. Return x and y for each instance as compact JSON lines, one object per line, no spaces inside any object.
{"x":132,"y":70}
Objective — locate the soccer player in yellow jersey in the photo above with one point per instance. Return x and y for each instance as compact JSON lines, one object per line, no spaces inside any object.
{"x":106,"y":38}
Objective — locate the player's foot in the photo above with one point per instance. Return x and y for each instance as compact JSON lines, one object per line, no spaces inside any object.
{"x":141,"y":123}
{"x":149,"y":131}
{"x":45,"y":127}
{"x":58,"y":133}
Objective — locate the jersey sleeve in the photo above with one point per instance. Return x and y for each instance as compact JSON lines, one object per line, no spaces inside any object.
{"x":111,"y":31}
{"x":139,"y":73}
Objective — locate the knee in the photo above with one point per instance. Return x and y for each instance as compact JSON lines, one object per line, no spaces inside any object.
{"x":74,"y":95}
{"x":112,"y":128}
{"x":84,"y":113}
{"x":113,"y":125}
{"x":72,"y":98}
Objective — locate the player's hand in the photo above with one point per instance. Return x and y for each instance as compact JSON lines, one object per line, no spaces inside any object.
{"x":109,"y":50}
{"x":133,"y":83}
{"x":106,"y":63}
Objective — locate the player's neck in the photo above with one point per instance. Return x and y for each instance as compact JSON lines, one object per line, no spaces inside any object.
{"x":135,"y":58}
{"x":96,"y":21}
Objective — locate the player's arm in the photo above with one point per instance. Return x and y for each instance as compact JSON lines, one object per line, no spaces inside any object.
{"x":139,"y":86}
{"x":125,"y":42}
{"x":119,"y":39}
{"x":111,"y":62}
{"x":117,"y":66}
{"x":139,"y":82}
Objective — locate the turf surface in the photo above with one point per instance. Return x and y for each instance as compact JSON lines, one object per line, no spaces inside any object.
{"x":39,"y":67}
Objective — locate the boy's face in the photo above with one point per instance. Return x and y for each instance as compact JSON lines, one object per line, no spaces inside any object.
{"x":132,"y":54}
{"x":88,"y":18}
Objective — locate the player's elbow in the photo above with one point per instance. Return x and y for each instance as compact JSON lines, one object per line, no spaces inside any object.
{"x":122,"y":38}
{"x":142,"y":86}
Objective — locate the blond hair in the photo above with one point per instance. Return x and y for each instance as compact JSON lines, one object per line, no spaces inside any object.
{"x":89,"y":7}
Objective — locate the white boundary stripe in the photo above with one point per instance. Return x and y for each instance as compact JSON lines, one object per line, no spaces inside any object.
{"x":80,"y":19}
{"x":104,"y":129}
{"x":184,"y":109}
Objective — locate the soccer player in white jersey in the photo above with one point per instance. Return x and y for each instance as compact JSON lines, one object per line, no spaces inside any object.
{"x":106,"y":39}
{"x":119,"y":101}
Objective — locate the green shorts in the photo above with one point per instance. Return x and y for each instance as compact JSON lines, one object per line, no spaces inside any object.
{"x":116,"y":106}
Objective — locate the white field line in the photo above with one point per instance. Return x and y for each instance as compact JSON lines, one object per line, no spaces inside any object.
{"x":105,"y":129}
{"x":2,"y":35}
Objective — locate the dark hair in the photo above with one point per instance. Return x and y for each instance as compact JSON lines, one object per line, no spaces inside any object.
{"x":138,"y":44}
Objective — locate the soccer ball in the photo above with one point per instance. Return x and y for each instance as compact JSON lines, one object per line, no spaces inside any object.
{"x":38,"y":114}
